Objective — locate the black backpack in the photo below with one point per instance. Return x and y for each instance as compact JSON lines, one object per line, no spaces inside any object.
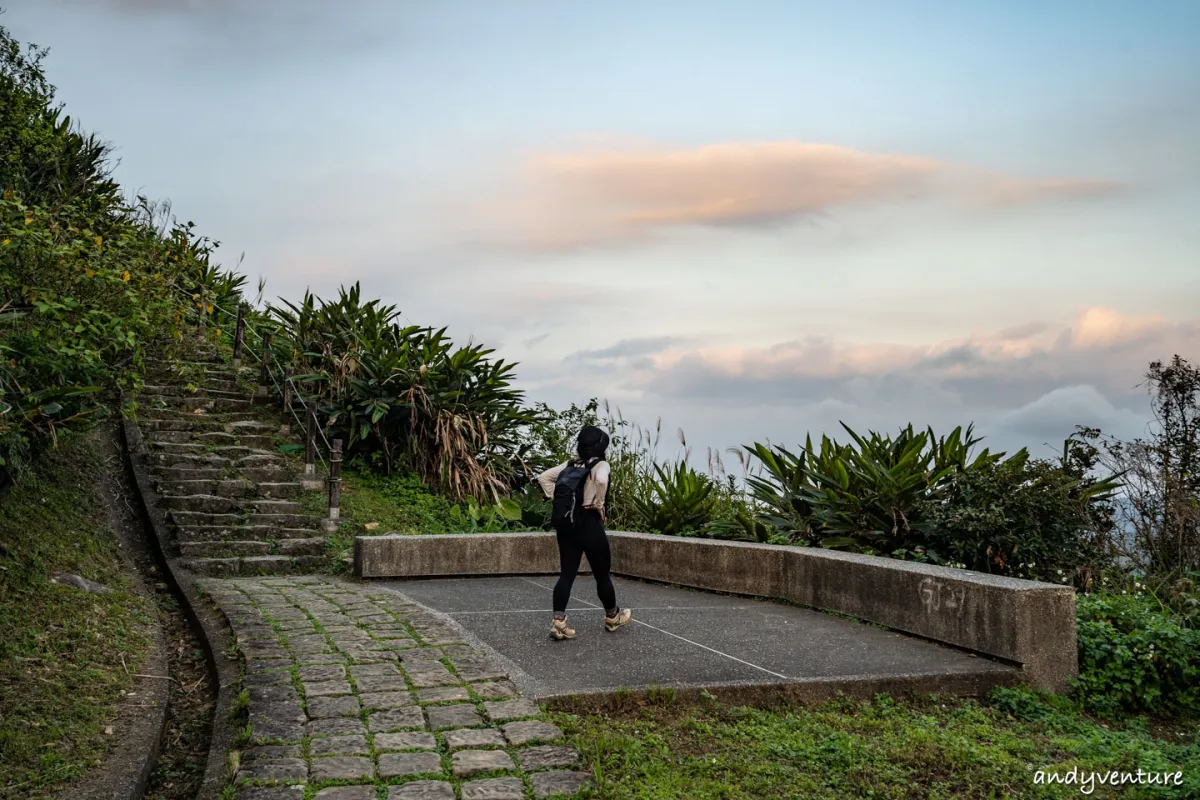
{"x":568,"y":492}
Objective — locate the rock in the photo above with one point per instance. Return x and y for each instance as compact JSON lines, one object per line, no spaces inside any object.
{"x":471,"y":762}
{"x":71,"y":579}
{"x":494,"y":789}
{"x":546,"y":784}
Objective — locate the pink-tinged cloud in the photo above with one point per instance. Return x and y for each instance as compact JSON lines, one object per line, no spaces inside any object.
{"x":611,"y":195}
{"x":1101,"y":348}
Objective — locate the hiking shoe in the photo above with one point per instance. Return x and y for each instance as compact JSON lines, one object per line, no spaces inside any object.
{"x":622,"y":618}
{"x":560,"y":631}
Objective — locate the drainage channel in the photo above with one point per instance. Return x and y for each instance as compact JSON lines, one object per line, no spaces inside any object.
{"x":179,"y":769}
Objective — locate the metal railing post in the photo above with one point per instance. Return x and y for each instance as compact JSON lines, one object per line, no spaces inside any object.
{"x":335,"y":485}
{"x":239,"y":336}
{"x":264,"y":375}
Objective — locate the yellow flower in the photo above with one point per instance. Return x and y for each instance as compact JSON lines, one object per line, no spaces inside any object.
{"x":99,"y":241}
{"x":91,"y":273}
{"x":125,"y":275}
{"x":210,"y":308}
{"x":6,"y":242}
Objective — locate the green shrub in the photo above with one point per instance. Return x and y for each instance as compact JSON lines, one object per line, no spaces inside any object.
{"x":1134,"y":656}
{"x":406,"y":394}
{"x":1023,"y":519}
{"x":867,"y":495}
{"x":675,"y":500}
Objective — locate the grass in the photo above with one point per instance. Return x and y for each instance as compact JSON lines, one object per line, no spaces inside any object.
{"x":61,"y":649}
{"x":922,"y":748}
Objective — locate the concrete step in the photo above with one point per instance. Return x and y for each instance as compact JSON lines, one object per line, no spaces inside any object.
{"x":190,"y":519}
{"x":180,"y":474}
{"x":272,"y":474}
{"x":211,"y":486}
{"x":174,"y":424}
{"x":194,"y":403}
{"x":174,"y":390}
{"x":283,"y":520}
{"x":281,"y":490}
{"x":214,"y":533}
{"x":158,"y":459}
{"x":177,"y":447}
{"x":226,"y":549}
{"x":252,"y":440}
{"x":302,"y":547}
{"x":201,"y":504}
{"x":170,"y":436}
{"x":276,"y":507}
{"x":210,"y":420}
{"x":254,"y":565}
{"x":250,"y":426}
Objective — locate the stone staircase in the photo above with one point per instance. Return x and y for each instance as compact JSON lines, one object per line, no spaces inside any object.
{"x":231,"y":496}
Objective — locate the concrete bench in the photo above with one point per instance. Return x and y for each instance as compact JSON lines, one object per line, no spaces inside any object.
{"x":1027,"y":623}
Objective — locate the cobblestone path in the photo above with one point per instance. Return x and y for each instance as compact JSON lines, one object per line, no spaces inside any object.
{"x":355,"y":693}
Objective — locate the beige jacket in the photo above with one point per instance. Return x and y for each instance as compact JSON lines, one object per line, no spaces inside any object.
{"x":594,"y":488}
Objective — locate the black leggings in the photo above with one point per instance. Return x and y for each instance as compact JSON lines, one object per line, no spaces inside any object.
{"x":585,"y":536}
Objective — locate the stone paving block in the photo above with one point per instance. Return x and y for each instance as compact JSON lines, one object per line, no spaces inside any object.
{"x":275,"y":793}
{"x":459,"y":716}
{"x":283,"y":770}
{"x":421,"y":790}
{"x":335,"y":726}
{"x":271,"y":751}
{"x":409,"y":740}
{"x":386,"y":699}
{"x":273,"y":693}
{"x":320,"y":658}
{"x":428,"y":677}
{"x":359,"y":671}
{"x":340,"y":746}
{"x":397,"y":765}
{"x":494,"y":789}
{"x":546,"y":757}
{"x":396,"y":719}
{"x":276,"y":712}
{"x":324,"y":707}
{"x":347,"y":793}
{"x":443,"y":694}
{"x":519,"y":733}
{"x":268,"y":732}
{"x":512,"y":709}
{"x":327,"y":688}
{"x":272,"y":678}
{"x":500,"y":690}
{"x":472,"y":762}
{"x":381,"y":683}
{"x":474,"y":737}
{"x":332,"y":672}
{"x":551,"y":784}
{"x":338,"y":768}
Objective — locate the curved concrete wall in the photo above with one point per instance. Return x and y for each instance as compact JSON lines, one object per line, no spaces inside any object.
{"x":1028,"y":623}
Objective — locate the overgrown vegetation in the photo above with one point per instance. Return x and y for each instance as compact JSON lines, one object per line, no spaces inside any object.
{"x":919,"y":748}
{"x":65,"y":654}
{"x":88,"y":280}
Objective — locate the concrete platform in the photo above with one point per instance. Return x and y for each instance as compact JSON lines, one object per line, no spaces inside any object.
{"x":687,"y":639}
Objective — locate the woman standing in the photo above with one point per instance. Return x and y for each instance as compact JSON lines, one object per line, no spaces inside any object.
{"x":577,"y":488}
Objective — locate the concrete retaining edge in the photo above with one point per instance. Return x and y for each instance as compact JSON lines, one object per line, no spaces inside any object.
{"x":208,"y":626}
{"x":803,"y":692}
{"x":1023,"y":622}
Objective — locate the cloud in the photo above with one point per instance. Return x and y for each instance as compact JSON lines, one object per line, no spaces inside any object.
{"x":1000,"y":371}
{"x":627,"y":348}
{"x":622,"y":195}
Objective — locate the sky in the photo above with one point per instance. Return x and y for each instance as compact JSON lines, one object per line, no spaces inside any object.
{"x":753,"y":220}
